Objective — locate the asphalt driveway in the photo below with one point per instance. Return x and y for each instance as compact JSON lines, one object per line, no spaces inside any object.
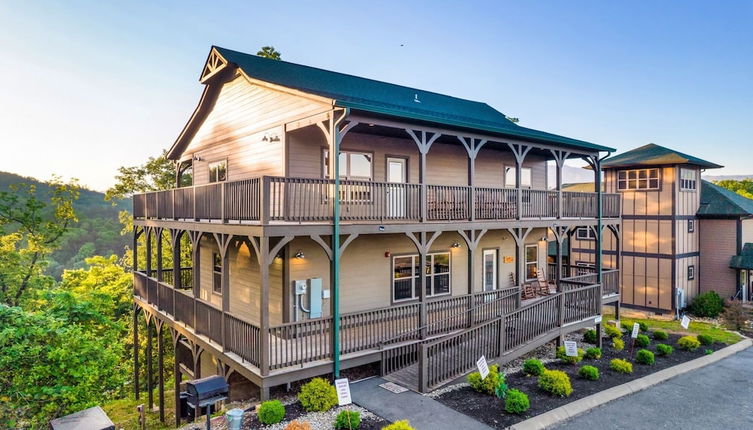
{"x":718,"y":396}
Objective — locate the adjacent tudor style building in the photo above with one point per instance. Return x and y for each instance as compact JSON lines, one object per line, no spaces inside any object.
{"x":426,"y":250}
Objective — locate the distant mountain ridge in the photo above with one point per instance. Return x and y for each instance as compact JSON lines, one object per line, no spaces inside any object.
{"x":96,"y":233}
{"x":713,"y":178}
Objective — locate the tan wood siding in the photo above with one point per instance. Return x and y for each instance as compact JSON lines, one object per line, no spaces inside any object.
{"x":235,"y":128}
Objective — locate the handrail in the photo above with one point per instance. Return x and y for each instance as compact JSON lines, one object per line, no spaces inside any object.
{"x":453,"y":316}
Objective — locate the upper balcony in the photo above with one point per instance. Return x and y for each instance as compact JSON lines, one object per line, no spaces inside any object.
{"x":268,"y":199}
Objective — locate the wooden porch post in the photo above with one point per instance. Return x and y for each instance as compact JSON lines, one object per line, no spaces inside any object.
{"x":195,"y":238}
{"x":223,"y":242}
{"x":520,"y":152}
{"x":263,"y":257}
{"x":423,"y":316}
{"x":161,"y":370}
{"x":472,"y":239}
{"x":520,"y":235}
{"x":559,"y":157}
{"x":472,"y":147}
{"x":136,"y":390}
{"x":158,"y":230}
{"x":176,"y":374}
{"x":148,"y":266}
{"x":424,"y":145}
{"x":136,"y":234}
{"x":149,"y":375}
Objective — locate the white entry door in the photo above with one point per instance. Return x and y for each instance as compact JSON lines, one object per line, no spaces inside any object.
{"x":396,"y":195}
{"x":490,"y":269}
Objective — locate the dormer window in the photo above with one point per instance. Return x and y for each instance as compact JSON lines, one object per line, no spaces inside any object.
{"x":638,"y":179}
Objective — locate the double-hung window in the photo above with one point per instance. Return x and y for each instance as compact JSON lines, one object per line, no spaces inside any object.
{"x":526,"y":178}
{"x":216,"y":273}
{"x":353,"y":165}
{"x":406,"y":272}
{"x":532,"y":262}
{"x":218,"y":171}
{"x":639,"y":179}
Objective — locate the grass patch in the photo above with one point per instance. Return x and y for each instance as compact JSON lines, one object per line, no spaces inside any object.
{"x":718,"y":333}
{"x":123,"y":413}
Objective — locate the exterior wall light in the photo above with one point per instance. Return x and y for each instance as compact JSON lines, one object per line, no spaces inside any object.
{"x":300,"y":254}
{"x":455,"y":245}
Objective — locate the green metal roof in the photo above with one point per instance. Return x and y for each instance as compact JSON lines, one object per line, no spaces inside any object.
{"x":654,"y":155}
{"x":744,"y":260}
{"x":721,"y":202}
{"x":393,"y":100}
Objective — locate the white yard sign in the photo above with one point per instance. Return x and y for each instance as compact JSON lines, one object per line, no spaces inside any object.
{"x":483,"y":368}
{"x":343,"y":392}
{"x":636,"y":329}
{"x":571,"y":348}
{"x":597,"y":320}
{"x":685,"y":323}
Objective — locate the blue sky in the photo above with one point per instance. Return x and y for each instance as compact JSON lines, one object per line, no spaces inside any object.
{"x":90,"y":86}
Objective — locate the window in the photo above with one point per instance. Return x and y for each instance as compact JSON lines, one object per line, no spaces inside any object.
{"x":525,"y":177}
{"x":688,"y":180}
{"x":532,"y":261}
{"x":640,"y":179}
{"x":353,"y":165}
{"x":585,"y":233}
{"x":218,"y":171}
{"x":490,"y":257}
{"x":691,"y":273}
{"x":691,"y":226}
{"x":217,"y":273}
{"x":405,"y":282}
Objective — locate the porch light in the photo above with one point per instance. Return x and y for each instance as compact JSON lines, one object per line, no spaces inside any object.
{"x":300,"y":254}
{"x":455,"y":245}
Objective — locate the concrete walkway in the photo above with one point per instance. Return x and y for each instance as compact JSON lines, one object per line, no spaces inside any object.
{"x":718,"y":396}
{"x":423,"y":412}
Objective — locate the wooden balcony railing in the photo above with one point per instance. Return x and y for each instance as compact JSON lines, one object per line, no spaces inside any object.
{"x":574,"y":276}
{"x":300,"y":200}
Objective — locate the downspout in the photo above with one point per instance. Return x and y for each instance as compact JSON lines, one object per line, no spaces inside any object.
{"x":336,"y":244}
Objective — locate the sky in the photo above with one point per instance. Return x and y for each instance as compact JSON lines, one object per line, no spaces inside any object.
{"x":91,"y":86}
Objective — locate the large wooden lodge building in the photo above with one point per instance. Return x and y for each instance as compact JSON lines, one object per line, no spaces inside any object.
{"x":425,"y":251}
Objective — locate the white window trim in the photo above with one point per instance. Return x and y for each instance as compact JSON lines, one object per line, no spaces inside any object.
{"x":527,"y":263}
{"x":413,"y":278}
{"x":590,"y":235}
{"x":522,"y":169}
{"x":495,"y":276}
{"x":209,"y":168}
{"x":325,"y":166}
{"x":692,"y":182}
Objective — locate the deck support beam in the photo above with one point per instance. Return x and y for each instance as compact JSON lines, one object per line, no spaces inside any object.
{"x":160,"y":368}
{"x":472,"y":147}
{"x":520,"y":234}
{"x":559,"y":158}
{"x":158,"y":233}
{"x":149,"y":375}
{"x":472,"y":239}
{"x":223,"y":243}
{"x":424,"y":142}
{"x":195,"y":238}
{"x":175,"y":336}
{"x":519,"y":151}
{"x":136,"y":388}
{"x":423,"y":244}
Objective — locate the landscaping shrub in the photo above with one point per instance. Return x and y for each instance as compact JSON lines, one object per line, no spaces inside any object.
{"x":533,"y":367}
{"x":348,"y":420}
{"x":516,"y":402}
{"x":399,"y":425}
{"x":660,"y":335}
{"x":642,"y":340}
{"x":271,"y":412}
{"x":627,"y":328}
{"x":612,"y":331}
{"x":555,"y":382}
{"x":688,"y":343}
{"x":618,"y":344}
{"x":298,"y":425}
{"x":643,"y":326}
{"x":708,"y":305}
{"x":709,"y":351}
{"x":589,"y":372}
{"x":705,"y":339}
{"x":501,"y":389}
{"x":590,"y":336}
{"x":569,"y":360}
{"x":734,"y":315}
{"x":621,"y":366}
{"x":486,"y":385}
{"x":644,"y":356}
{"x":317,"y":395}
{"x":593,"y":353}
{"x":664,"y":350}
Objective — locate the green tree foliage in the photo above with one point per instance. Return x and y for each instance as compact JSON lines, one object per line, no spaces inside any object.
{"x":743,"y":187}
{"x":269,"y":52}
{"x":32,"y":224}
{"x":157,"y":173}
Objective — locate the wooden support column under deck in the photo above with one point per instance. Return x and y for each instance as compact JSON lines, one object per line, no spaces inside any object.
{"x":158,"y":231}
{"x":136,"y":390}
{"x":149,"y":375}
{"x":423,"y":244}
{"x":520,"y":235}
{"x":148,"y":266}
{"x":223,"y":242}
{"x":176,"y":374}
{"x":195,"y":238}
{"x":175,"y":236}
{"x":472,"y":239}
{"x":160,"y":369}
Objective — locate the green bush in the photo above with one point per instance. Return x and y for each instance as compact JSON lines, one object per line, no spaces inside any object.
{"x":590,"y":336}
{"x":348,"y":420}
{"x":589,"y":372}
{"x":516,"y":402}
{"x":399,"y":425}
{"x":627,"y":328}
{"x":501,"y":389}
{"x":621,"y":366}
{"x":570,"y":360}
{"x":643,"y":326}
{"x":618,"y":344}
{"x":317,"y":395}
{"x":642,"y":340}
{"x":708,"y":305}
{"x":708,"y":351}
{"x":555,"y":382}
{"x":644,"y":356}
{"x":533,"y":367}
{"x":705,"y":339}
{"x":612,"y":331}
{"x":664,"y":350}
{"x":271,"y":412}
{"x":486,"y":385}
{"x":593,"y":353}
{"x":688,"y":343}
{"x":660,"y":335}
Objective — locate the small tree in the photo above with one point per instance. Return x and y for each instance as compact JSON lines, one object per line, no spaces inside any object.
{"x":269,"y":52}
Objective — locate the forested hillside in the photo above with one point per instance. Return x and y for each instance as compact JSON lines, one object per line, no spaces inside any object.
{"x":97,"y":231}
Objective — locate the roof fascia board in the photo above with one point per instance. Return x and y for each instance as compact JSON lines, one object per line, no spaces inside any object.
{"x":575,"y":153}
{"x":287,"y":90}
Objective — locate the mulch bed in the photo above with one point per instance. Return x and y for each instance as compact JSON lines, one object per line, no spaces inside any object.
{"x":490,"y":409}
{"x":295,"y":411}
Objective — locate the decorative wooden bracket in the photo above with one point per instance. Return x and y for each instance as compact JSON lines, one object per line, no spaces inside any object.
{"x":423,"y":143}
